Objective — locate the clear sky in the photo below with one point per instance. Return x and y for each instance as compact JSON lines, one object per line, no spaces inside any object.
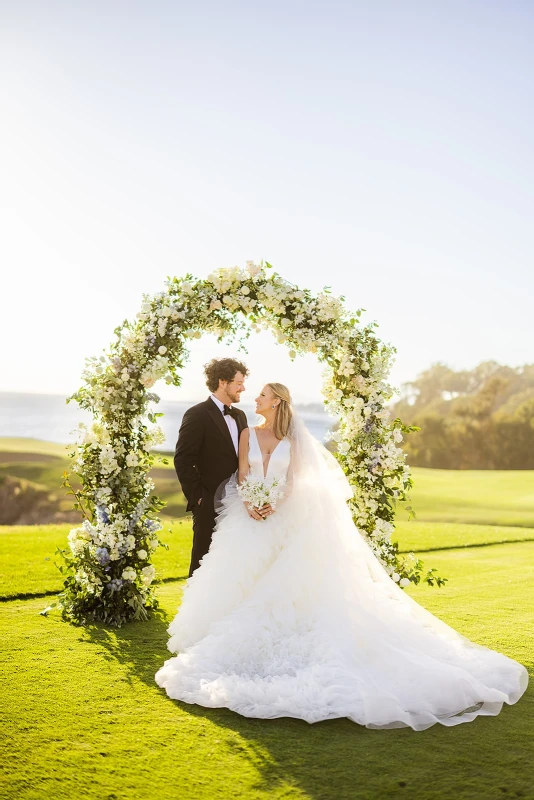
{"x":382,"y":148}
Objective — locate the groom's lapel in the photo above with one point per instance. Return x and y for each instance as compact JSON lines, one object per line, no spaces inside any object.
{"x":218,"y":419}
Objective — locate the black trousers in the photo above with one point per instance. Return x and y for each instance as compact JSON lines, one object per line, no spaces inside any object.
{"x":203,"y":525}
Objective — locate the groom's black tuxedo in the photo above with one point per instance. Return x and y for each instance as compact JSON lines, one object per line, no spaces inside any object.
{"x":204,"y":457}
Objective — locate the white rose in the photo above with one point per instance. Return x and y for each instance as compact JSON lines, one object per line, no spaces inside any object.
{"x":162,"y":350}
{"x":142,"y":554}
{"x":148,"y":575}
{"x":129,"y":574}
{"x":404,"y":582}
{"x":396,"y":577}
{"x":285,"y":323}
{"x":245,"y":290}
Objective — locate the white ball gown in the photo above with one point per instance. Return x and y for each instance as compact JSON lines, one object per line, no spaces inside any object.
{"x":295,"y":617}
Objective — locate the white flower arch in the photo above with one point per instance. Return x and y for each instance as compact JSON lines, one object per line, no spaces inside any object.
{"x":108,"y":574}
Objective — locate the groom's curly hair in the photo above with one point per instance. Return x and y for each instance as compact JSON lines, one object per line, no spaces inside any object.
{"x":223,"y":369}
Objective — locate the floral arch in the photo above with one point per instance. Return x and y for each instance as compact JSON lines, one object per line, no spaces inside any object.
{"x":107,"y":571}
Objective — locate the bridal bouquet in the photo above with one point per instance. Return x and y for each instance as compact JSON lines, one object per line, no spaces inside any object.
{"x":259,"y":492}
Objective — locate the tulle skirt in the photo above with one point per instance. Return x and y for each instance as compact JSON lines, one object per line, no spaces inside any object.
{"x":295,"y":617}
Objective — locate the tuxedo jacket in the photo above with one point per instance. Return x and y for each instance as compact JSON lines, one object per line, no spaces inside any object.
{"x":205,"y":455}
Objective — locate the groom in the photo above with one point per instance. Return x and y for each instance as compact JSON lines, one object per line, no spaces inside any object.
{"x":207,"y":447}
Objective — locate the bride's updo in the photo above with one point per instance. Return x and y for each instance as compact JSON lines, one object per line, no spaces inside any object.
{"x":282,"y":420}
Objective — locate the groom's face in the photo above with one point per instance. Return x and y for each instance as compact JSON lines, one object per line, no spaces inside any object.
{"x":235,"y":387}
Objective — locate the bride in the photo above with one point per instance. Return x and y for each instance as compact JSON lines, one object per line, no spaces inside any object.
{"x":290,"y":614}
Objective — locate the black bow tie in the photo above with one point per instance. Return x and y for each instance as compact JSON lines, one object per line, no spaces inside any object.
{"x":231,"y":411}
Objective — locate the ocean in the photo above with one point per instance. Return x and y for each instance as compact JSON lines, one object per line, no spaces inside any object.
{"x":48,"y":417}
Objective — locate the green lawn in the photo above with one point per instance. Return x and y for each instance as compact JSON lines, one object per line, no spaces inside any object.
{"x":27,"y":553}
{"x":83,"y":718}
{"x":11,"y":444}
{"x":485,"y":497}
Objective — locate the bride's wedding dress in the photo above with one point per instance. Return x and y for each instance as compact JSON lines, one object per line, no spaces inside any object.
{"x":295,"y":617}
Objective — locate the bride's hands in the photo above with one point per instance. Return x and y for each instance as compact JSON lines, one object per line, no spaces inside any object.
{"x":266,"y":510}
{"x":252,"y":512}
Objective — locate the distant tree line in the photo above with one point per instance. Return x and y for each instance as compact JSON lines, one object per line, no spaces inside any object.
{"x":477,"y":419}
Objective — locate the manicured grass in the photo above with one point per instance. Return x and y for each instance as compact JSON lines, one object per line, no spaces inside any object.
{"x":27,"y":555}
{"x":429,"y":536}
{"x":484,"y":497}
{"x":84,"y":718}
{"x":11,"y":444}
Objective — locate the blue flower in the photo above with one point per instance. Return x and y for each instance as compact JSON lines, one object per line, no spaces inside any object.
{"x":102,"y":555}
{"x":102,"y":514}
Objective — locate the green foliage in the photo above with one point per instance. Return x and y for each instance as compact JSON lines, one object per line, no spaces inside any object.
{"x":471,"y":419}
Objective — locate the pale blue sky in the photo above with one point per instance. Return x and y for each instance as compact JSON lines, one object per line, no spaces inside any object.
{"x":383,"y":148}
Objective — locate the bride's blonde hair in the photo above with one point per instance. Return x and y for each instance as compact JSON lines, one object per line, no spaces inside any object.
{"x":284,"y":414}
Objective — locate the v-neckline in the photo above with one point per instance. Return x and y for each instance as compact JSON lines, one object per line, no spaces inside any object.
{"x":269,"y":454}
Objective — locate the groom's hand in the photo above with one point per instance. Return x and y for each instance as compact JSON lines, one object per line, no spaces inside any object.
{"x":199,"y":501}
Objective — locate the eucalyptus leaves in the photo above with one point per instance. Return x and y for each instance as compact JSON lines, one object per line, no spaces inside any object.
{"x":107,"y":569}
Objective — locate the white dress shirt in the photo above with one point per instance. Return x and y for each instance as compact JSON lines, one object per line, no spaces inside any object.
{"x":230,"y":421}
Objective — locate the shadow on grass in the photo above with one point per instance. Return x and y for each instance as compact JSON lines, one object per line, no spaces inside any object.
{"x":338,"y":758}
{"x":140,"y":647}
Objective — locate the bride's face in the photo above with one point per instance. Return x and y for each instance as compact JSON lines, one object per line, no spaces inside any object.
{"x":265,"y":401}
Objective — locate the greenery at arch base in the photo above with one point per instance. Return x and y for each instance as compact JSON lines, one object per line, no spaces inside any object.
{"x":108,"y":575}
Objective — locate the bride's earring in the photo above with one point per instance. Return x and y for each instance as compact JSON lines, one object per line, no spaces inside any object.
{"x":273,"y":406}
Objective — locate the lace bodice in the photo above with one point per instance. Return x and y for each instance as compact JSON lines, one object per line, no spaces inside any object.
{"x":278,"y":463}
